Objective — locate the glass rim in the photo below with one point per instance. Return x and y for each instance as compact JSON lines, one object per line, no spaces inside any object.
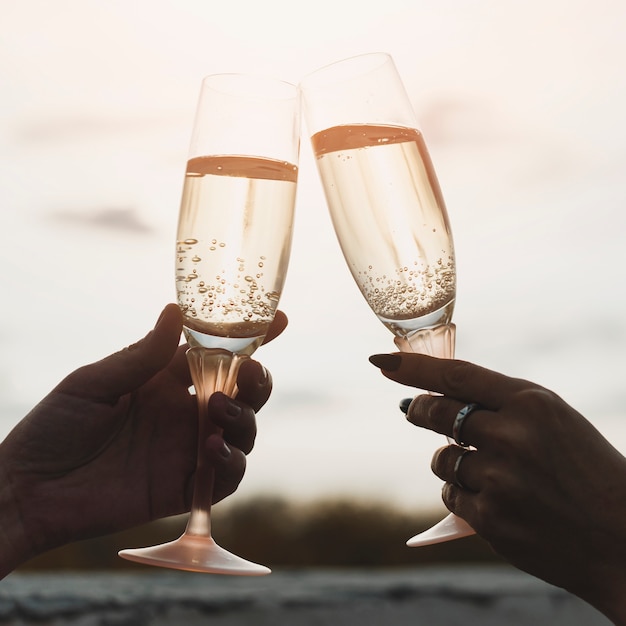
{"x":268,"y":86}
{"x":329,"y":74}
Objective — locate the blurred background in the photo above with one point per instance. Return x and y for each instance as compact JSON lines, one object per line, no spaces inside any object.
{"x":522,"y":108}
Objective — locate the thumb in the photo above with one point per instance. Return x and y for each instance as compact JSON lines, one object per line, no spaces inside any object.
{"x":124,"y":371}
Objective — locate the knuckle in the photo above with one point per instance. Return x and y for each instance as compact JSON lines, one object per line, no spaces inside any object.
{"x":457,"y":376}
{"x":418,"y":410}
{"x":425,"y":411}
{"x":492,"y":480}
{"x":533,"y":408}
{"x":502,"y":436}
{"x":534,"y":398}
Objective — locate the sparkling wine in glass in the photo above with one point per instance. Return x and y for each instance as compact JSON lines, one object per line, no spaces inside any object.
{"x":232,"y":251}
{"x":387,"y":209}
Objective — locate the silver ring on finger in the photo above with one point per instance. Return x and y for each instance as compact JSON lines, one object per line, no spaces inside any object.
{"x":457,"y":466}
{"x":460,"y":418}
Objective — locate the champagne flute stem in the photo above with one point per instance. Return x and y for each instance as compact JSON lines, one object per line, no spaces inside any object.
{"x":438,"y":341}
{"x":211,"y":370}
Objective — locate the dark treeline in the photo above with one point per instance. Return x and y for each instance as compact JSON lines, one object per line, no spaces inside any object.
{"x":277,"y":533}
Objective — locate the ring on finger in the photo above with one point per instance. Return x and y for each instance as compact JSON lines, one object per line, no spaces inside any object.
{"x":460,"y":418}
{"x":457,"y":465}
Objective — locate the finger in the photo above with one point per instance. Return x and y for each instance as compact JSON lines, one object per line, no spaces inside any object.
{"x":458,"y":466}
{"x":279,"y":323}
{"x":457,"y":379}
{"x":236,"y":419}
{"x":178,"y":367}
{"x":230,"y":466}
{"x":131,"y":367}
{"x":461,"y":502}
{"x":254,"y":383}
{"x":438,"y":413}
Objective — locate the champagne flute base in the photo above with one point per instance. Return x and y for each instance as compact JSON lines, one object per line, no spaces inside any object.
{"x":195,"y":554}
{"x":449,"y":528}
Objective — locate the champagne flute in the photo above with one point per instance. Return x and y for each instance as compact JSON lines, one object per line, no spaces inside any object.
{"x":387,"y":209}
{"x":232,"y":251}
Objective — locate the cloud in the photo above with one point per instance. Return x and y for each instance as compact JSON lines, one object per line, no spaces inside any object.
{"x":120,"y":219}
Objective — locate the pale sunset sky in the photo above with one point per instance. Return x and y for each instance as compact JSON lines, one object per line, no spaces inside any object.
{"x":522,"y":107}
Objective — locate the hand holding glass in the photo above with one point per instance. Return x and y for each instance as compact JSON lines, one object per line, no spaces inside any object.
{"x":232,"y":251}
{"x":387,"y":209}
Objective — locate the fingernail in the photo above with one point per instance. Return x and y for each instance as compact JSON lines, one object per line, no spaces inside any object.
{"x":387,"y":362}
{"x":224,"y":450}
{"x":404,"y":405}
{"x":263,"y":377}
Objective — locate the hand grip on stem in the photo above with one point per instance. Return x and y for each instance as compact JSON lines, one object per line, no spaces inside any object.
{"x":211,"y":370}
{"x":440,"y":342}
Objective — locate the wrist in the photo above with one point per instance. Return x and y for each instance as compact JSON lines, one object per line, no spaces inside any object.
{"x":602,"y":579}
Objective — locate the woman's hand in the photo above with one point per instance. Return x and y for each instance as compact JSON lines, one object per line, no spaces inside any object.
{"x":114,"y":445}
{"x":540,"y":483}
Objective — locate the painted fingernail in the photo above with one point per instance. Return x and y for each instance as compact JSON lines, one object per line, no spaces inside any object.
{"x":225,"y":451}
{"x":404,"y":405}
{"x":263,"y":377}
{"x":387,"y":362}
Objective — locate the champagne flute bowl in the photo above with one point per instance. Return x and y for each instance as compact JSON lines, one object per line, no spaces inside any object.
{"x":232,"y":250}
{"x":387,"y":209}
